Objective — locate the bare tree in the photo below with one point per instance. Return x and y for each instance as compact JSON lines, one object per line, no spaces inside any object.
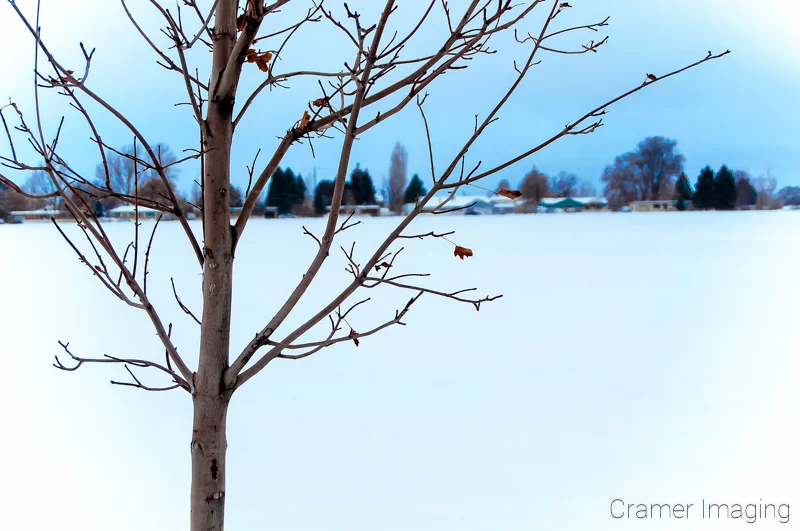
{"x":237,"y":200}
{"x":10,"y":201}
{"x":196,"y":199}
{"x":660,"y":165}
{"x":564,"y":184}
{"x":122,"y":172}
{"x":347,"y":92}
{"x":648,"y":173}
{"x":37,"y":185}
{"x":398,"y":175}
{"x":765,"y":186}
{"x":502,"y":185}
{"x":624,"y":181}
{"x":789,"y":195}
{"x":534,"y":187}
{"x":586,"y":189}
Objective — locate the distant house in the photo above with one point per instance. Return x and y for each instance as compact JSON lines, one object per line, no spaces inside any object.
{"x":460,"y":204}
{"x":30,"y":215}
{"x":269,"y":212}
{"x":130,"y":212}
{"x":574,"y":203}
{"x":662,"y":205}
{"x":505,"y":205}
{"x":593,"y":203}
{"x":358,"y":210}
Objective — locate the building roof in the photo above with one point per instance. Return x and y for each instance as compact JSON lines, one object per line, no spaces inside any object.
{"x":458,"y":201}
{"x":41,"y":212}
{"x":122,"y":209}
{"x":356,"y":207}
{"x":578,"y":202}
{"x":501,"y":200}
{"x":656,"y":202}
{"x":591,"y":200}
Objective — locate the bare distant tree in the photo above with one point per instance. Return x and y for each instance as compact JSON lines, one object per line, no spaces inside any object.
{"x":667,"y":189}
{"x":502,"y":185}
{"x":41,"y":188}
{"x":587,"y":189}
{"x":196,"y":198}
{"x":398,"y":176}
{"x":11,"y":201}
{"x":789,"y":195}
{"x":564,"y":184}
{"x":534,"y":187}
{"x":355,"y":95}
{"x":765,"y":186}
{"x":121,"y":172}
{"x":384,"y":192}
{"x":648,"y":173}
{"x":624,"y":181}
{"x":237,"y":199}
{"x":660,"y":165}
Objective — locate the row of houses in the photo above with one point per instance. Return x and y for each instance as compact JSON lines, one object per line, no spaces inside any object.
{"x":123,"y":212}
{"x":483,"y":205}
{"x":460,"y":204}
{"x":120,"y":212}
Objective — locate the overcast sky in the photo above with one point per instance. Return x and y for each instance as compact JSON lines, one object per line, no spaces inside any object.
{"x":741,"y":110}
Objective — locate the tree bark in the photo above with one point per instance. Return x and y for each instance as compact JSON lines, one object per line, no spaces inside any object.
{"x":208,"y":463}
{"x":211,"y":397}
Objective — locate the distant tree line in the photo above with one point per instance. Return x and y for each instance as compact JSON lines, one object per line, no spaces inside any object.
{"x":536,"y":185}
{"x":653,"y":171}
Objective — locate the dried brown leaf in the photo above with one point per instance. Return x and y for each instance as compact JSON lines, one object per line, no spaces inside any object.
{"x":461,"y":252}
{"x":511,"y":194}
{"x":304,"y":120}
{"x":261,"y":59}
{"x":354,"y":336}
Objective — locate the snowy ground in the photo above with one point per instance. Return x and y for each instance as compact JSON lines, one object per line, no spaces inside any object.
{"x":647,"y":357}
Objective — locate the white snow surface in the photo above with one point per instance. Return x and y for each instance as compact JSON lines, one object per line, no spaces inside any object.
{"x":647,"y":357}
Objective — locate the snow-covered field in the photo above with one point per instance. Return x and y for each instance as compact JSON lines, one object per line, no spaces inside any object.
{"x":647,"y":357}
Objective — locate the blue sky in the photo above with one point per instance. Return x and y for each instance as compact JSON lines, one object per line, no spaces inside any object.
{"x":740,"y":110}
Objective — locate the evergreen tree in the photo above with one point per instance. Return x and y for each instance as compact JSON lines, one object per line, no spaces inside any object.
{"x":746,"y":193}
{"x":414,"y":190}
{"x":361,"y":186}
{"x":99,"y":209}
{"x":281,"y":191}
{"x":683,"y":191}
{"x":300,"y":191}
{"x":704,"y":189}
{"x":322,"y":196}
{"x":724,"y":193}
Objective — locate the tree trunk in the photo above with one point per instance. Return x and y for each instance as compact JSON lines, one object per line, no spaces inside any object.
{"x":208,"y":463}
{"x":211,"y":397}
